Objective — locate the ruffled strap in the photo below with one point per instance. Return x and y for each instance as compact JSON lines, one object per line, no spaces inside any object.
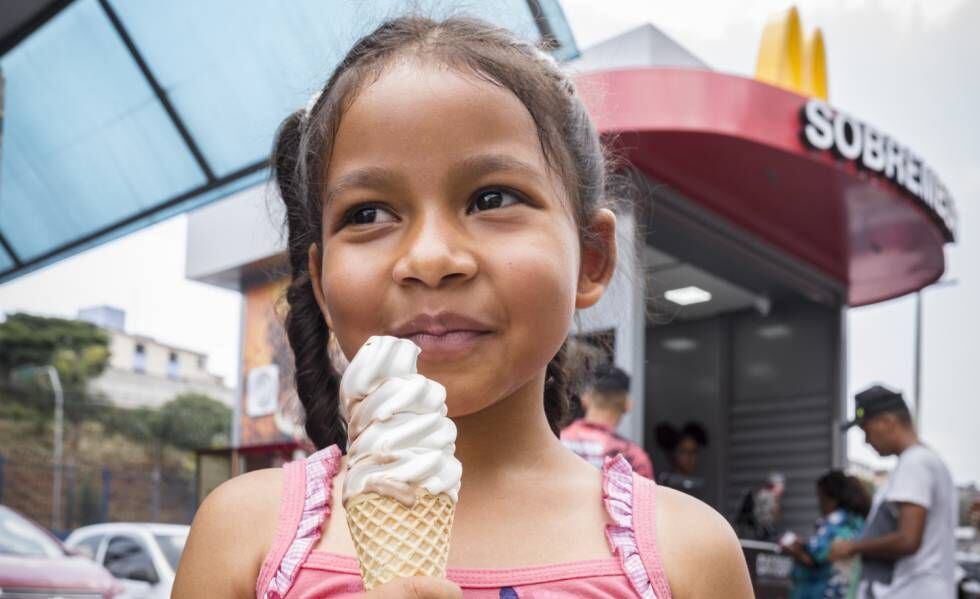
{"x":617,"y":496}
{"x":319,"y":469}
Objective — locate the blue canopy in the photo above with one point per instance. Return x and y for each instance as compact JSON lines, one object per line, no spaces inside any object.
{"x":120,"y":113}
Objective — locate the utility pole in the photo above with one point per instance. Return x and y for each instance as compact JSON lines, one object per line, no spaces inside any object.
{"x":917,"y":381}
{"x":59,"y":433}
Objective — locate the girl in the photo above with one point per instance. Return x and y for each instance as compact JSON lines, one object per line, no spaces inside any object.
{"x":446,"y":186}
{"x":844,"y":504}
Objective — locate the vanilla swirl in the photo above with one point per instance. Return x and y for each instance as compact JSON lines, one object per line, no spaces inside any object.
{"x":399,"y":438}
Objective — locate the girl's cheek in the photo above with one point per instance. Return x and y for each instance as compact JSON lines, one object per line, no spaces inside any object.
{"x":353,"y":285}
{"x":546,"y":263}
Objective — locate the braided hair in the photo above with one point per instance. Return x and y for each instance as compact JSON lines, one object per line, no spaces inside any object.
{"x":304,"y":144}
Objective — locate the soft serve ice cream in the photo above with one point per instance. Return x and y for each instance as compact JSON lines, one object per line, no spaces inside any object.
{"x":402,"y":480}
{"x":400,"y":440}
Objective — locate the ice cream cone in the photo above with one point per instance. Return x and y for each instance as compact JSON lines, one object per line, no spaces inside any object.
{"x":403,"y":479}
{"x":393,"y":540}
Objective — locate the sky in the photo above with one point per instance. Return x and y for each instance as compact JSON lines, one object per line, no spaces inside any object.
{"x":904,"y":66}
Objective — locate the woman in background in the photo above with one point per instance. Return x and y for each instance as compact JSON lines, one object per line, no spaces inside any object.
{"x":683,"y":450}
{"x":844,"y":504}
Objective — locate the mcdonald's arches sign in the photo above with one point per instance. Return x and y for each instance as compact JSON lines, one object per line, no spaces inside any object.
{"x":789,"y":60}
{"x":797,"y":63}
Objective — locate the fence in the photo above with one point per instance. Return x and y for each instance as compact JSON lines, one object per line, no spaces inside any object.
{"x":93,"y":493}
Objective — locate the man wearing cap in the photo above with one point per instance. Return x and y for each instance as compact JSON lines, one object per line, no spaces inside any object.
{"x":907,"y":545}
{"x":594,"y":437}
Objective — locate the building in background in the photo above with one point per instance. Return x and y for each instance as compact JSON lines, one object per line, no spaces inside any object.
{"x":144,"y":372}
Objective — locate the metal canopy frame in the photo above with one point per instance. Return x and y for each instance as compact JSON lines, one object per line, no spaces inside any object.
{"x":34,"y":21}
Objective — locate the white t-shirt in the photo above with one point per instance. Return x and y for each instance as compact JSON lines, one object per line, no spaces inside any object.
{"x":921,"y":478}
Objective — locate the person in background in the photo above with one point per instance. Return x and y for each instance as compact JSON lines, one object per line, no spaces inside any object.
{"x":683,"y":449}
{"x":907,"y":546}
{"x":761,"y":511}
{"x":844,"y":504}
{"x":594,"y":437}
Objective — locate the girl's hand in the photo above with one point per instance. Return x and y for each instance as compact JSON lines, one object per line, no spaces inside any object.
{"x":416,"y":587}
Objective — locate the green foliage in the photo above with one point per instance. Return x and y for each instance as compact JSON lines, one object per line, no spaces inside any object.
{"x":79,"y":350}
{"x":139,"y":424}
{"x":194,"y":421}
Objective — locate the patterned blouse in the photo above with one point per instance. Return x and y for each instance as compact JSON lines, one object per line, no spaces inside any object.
{"x":825,"y":579}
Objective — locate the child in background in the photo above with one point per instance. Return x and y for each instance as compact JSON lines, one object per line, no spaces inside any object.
{"x":844,"y":504}
{"x":447,"y":186}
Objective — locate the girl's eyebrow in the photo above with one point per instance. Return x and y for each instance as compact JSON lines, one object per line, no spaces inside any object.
{"x":470,"y":167}
{"x":474,"y":167}
{"x":372,"y":177}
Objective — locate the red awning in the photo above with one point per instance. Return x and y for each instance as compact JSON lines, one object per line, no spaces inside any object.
{"x":734,"y":145}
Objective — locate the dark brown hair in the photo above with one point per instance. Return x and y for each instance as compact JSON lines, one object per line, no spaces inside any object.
{"x":847,"y":491}
{"x":304,"y":144}
{"x":669,"y":438}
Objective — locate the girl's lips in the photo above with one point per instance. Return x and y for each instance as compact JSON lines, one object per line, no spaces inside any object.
{"x":448,"y":344}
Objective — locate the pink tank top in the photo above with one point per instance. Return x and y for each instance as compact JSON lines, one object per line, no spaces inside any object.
{"x":292,"y":570}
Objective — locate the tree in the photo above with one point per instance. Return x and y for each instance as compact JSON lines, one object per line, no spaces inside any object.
{"x":193,"y":421}
{"x":78,"y":350}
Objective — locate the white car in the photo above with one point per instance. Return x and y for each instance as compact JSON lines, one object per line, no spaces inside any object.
{"x":143,"y":557}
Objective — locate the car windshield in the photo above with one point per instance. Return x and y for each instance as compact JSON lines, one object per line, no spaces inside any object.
{"x":171,"y":546}
{"x":19,"y":536}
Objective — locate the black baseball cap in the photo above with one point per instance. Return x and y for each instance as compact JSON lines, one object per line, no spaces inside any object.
{"x":873,"y":401}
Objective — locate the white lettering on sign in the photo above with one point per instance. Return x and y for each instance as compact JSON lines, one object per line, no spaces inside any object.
{"x":776,"y":566}
{"x":826,"y":129}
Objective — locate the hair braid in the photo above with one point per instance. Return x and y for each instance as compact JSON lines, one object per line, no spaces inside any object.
{"x":556,"y":390}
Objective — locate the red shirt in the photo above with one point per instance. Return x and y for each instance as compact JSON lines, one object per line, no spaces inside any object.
{"x":594,"y":442}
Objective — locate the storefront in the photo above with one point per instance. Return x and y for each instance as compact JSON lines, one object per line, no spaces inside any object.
{"x":758,"y":215}
{"x":763,"y":213}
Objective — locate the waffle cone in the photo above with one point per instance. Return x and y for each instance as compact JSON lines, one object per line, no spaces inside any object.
{"x":394,"y":541}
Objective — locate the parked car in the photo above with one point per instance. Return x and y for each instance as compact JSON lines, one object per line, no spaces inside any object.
{"x":142,"y":557}
{"x":33,"y":563}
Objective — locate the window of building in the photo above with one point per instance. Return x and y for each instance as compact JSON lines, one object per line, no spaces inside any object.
{"x":139,"y":359}
{"x":173,"y":366}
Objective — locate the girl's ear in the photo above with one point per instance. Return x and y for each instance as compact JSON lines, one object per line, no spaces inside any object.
{"x":598,"y":259}
{"x":314,"y":264}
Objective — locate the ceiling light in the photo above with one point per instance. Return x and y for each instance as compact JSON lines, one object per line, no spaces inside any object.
{"x":679,"y":344}
{"x":774,"y":331}
{"x":686,"y":296}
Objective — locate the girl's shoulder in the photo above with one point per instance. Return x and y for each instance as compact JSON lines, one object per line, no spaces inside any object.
{"x":231,"y":533}
{"x":698,"y":548}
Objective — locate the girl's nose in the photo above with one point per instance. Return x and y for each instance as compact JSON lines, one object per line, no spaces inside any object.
{"x":435,"y":254}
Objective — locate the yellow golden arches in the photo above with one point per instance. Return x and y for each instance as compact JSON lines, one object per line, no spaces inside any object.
{"x":814,"y":66}
{"x":789,"y":61}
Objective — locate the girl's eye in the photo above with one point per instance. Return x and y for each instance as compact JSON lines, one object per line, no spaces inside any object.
{"x":368,"y":215}
{"x":492,"y":199}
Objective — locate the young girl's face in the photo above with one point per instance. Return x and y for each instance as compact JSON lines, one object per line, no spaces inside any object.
{"x":444,"y":224}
